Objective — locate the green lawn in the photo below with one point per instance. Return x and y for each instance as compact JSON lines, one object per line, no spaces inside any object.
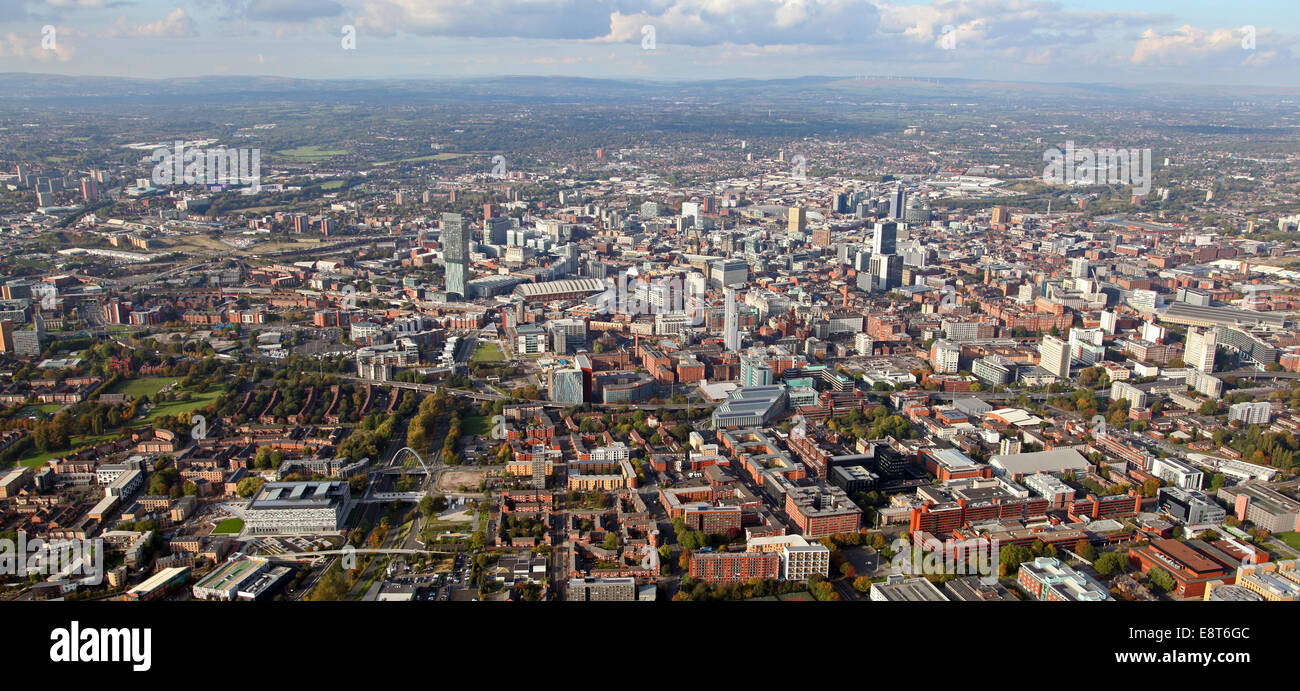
{"x":1291,"y":539}
{"x":421,"y":159}
{"x":147,"y":386}
{"x":487,"y":352}
{"x":230,"y":526}
{"x":35,"y":460}
{"x":475,"y":424}
{"x":311,"y":153}
{"x":197,"y":400}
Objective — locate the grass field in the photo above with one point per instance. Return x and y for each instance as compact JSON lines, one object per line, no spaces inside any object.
{"x":198,"y":400}
{"x":332,"y":185}
{"x":230,"y":526}
{"x":311,"y":153}
{"x":35,"y":460}
{"x":475,"y":424}
{"x":487,"y":352}
{"x":421,"y":159}
{"x":148,"y":386}
{"x":1291,"y":539}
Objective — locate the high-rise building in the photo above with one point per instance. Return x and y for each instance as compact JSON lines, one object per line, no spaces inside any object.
{"x":567,"y":386}
{"x":455,"y":253}
{"x":1251,"y":413}
{"x":798,"y":219}
{"x":1054,"y":356}
{"x":1136,"y":397}
{"x":726,"y":272}
{"x":886,"y":271}
{"x":885,"y":238}
{"x":821,"y":237}
{"x":945,"y":356}
{"x":89,"y":189}
{"x":1001,"y":216}
{"x":1199,"y":353}
{"x":897,"y":202}
{"x":731,"y":322}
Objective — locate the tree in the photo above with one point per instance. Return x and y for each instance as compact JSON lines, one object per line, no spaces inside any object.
{"x":862,"y":584}
{"x":1161,"y":579}
{"x":1085,"y":549}
{"x":249,"y":486}
{"x":611,"y":541}
{"x":1109,"y":563}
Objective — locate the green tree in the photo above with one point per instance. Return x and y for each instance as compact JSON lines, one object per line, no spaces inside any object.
{"x":1161,"y":579}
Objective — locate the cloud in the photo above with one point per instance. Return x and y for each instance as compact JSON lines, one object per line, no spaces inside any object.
{"x":177,"y":24}
{"x":1189,"y":45}
{"x":272,"y":10}
{"x":559,"y":19}
{"x":36,"y":47}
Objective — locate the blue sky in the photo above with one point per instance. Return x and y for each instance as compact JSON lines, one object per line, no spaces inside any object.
{"x":1250,"y":42}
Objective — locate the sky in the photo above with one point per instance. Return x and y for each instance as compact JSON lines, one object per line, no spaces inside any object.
{"x":1248,"y":42}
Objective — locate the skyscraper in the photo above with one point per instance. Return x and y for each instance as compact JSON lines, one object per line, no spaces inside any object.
{"x":455,"y":253}
{"x":1054,"y":356}
{"x":885,"y":239}
{"x":89,"y":189}
{"x":886,"y":270}
{"x":731,"y":323}
{"x":1199,"y":353}
{"x":897,"y":202}
{"x":798,"y":219}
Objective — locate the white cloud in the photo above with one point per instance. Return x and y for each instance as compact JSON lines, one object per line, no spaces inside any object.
{"x":30,"y":47}
{"x":1188,"y":45}
{"x":177,"y":24}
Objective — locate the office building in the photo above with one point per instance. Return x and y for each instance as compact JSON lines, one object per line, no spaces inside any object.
{"x":898,"y":202}
{"x":1054,"y":356}
{"x":728,"y":272}
{"x":884,"y":239}
{"x":1050,"y":580}
{"x":1199,"y":350}
{"x":798,"y":220}
{"x":902,"y":588}
{"x":1190,"y":507}
{"x":297,"y":508}
{"x":601,"y":590}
